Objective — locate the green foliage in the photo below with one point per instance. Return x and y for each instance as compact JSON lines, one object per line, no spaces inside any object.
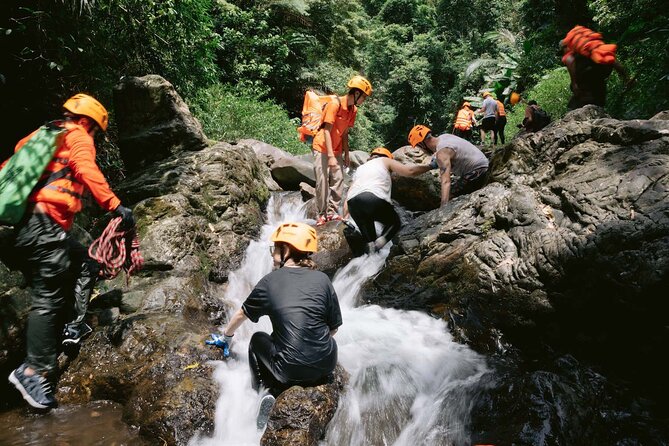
{"x":228,"y":114}
{"x":551,"y":93}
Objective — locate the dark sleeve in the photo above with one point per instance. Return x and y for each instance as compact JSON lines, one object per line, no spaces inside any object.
{"x":334,"y":313}
{"x":257,"y":304}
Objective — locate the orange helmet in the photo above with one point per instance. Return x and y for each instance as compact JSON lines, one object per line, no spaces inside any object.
{"x":382,"y":151}
{"x":515,"y":98}
{"x":466,"y":104}
{"x":298,"y":235}
{"x":486,"y":94}
{"x":360,"y":83}
{"x":418,"y":134}
{"x":85,"y":105}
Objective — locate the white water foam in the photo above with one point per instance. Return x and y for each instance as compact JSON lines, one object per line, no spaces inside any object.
{"x":410,"y":383}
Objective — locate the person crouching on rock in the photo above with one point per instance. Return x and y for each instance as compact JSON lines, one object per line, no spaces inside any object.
{"x":303,"y":307}
{"x":451,"y":153}
{"x":369,"y":197}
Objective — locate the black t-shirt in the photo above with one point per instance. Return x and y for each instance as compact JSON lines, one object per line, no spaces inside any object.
{"x":303,"y":308}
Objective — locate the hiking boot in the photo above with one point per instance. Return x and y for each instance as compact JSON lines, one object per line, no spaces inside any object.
{"x":36,"y":389}
{"x":75,"y":333}
{"x":266,"y":404}
{"x":321,"y":220}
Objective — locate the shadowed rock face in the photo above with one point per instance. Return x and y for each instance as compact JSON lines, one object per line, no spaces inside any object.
{"x":153,"y":121}
{"x":566,"y":251}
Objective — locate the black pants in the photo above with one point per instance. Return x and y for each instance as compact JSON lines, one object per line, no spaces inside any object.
{"x":366,"y":209}
{"x":469,"y":182}
{"x":464,"y":134}
{"x":261,"y":351}
{"x":58,"y":269}
{"x":499,"y":128}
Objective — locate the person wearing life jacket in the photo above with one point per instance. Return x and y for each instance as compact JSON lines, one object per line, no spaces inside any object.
{"x":489,"y":108}
{"x":55,"y":264}
{"x":590,"y":62}
{"x":368,"y":200}
{"x":331,"y":150}
{"x":304,"y":310}
{"x":453,"y":156}
{"x":464,"y":122}
{"x":500,"y":120}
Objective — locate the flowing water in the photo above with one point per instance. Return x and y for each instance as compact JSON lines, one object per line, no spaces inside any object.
{"x":410,"y":384}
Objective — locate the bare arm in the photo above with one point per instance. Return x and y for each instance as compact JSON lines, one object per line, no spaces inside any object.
{"x":623,"y":74}
{"x":444,"y":162}
{"x":405,"y":170}
{"x":237,"y":319}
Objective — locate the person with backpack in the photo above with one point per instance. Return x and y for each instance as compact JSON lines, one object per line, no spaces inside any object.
{"x":489,"y":108}
{"x":369,"y":199}
{"x":54,"y":263}
{"x":464,"y":121}
{"x":304,"y":310}
{"x":535,"y":118}
{"x":453,"y":156}
{"x":500,"y":120}
{"x":590,"y":62}
{"x":331,"y":151}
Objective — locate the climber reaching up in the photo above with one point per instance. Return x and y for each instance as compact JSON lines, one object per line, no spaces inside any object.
{"x":590,"y":62}
{"x":452,"y":155}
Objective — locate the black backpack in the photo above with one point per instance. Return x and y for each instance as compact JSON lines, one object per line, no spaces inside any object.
{"x":540,"y":118}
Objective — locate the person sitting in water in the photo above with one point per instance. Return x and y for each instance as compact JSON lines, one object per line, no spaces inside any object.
{"x":303,"y":307}
{"x":369,"y":197}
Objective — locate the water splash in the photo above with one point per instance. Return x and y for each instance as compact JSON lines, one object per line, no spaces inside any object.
{"x":410,"y":383}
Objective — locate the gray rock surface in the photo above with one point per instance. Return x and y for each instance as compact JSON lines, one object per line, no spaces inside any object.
{"x":153,"y":121}
{"x":287,"y":170}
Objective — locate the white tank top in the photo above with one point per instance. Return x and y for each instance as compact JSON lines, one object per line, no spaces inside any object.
{"x":374,"y":177}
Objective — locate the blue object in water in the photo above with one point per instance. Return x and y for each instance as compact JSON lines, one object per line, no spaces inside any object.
{"x":219,"y":341}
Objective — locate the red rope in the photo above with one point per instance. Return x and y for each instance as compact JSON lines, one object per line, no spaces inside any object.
{"x":111,"y":248}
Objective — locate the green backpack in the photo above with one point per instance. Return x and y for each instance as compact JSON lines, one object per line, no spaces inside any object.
{"x":22,"y":173}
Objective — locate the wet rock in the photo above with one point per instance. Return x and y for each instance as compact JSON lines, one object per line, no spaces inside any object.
{"x":333,"y":250}
{"x":358,"y":158}
{"x":301,"y":414}
{"x":421,"y":193}
{"x":153,"y":121}
{"x":567,"y":245}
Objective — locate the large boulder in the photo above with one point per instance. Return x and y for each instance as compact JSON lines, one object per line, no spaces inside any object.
{"x":153,"y":121}
{"x":301,"y":414}
{"x":567,"y":245}
{"x":287,"y":170}
{"x":421,"y":193}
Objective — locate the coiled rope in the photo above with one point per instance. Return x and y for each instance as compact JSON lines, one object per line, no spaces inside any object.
{"x":111,"y":250}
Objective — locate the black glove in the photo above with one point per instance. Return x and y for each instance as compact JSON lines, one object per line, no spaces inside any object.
{"x":128,"y":221}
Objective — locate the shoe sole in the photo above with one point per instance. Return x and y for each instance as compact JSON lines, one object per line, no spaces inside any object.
{"x":70,"y":341}
{"x":26,"y":396}
{"x":266,"y":405}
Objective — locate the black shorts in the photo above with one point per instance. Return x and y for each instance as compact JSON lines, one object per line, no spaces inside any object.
{"x":488,"y":123}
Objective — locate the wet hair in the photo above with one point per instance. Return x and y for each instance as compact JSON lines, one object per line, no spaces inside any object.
{"x":532,"y":102}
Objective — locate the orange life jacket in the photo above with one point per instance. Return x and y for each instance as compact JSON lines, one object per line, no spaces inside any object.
{"x":500,"y":109}
{"x":463,"y":120}
{"x":66,"y":177}
{"x":589,"y":43}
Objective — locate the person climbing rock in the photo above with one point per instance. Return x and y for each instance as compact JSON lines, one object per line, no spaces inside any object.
{"x":331,"y":151}
{"x":54,"y":263}
{"x":500,"y":121}
{"x":464,"y":121}
{"x":303,"y":308}
{"x":489,"y":108}
{"x":453,"y":156}
{"x":590,"y":62}
{"x":369,"y":197}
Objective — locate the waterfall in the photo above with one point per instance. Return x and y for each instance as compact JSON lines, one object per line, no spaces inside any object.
{"x":410,"y":382}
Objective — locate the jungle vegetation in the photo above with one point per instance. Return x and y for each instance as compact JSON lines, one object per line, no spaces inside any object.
{"x":243,"y":65}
